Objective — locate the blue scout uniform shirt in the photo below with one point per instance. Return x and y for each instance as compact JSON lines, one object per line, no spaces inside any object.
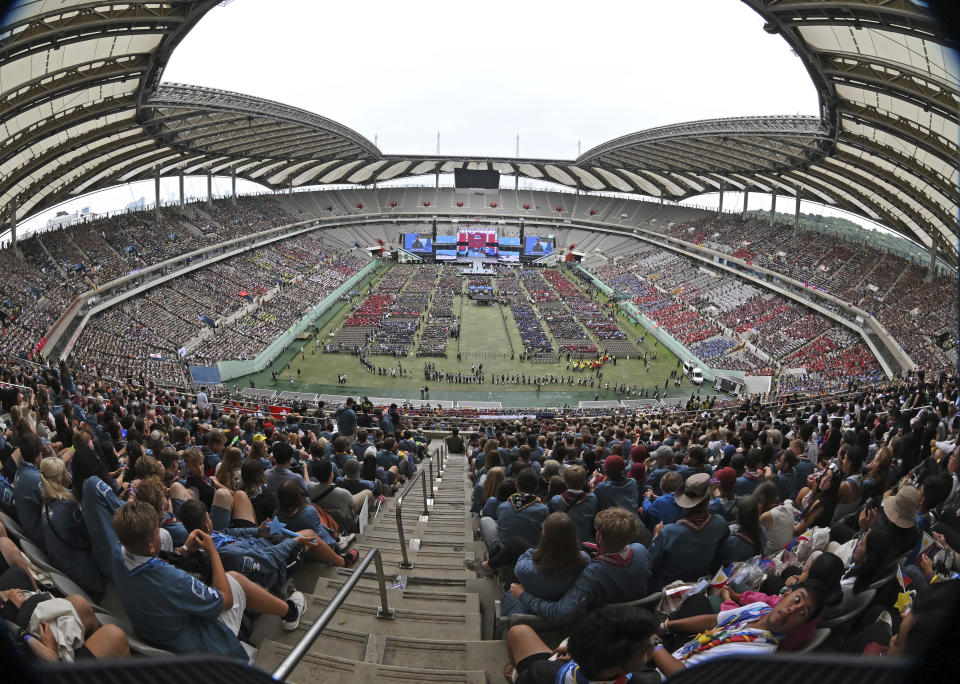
{"x":346,"y":421}
{"x":259,"y":559}
{"x":624,"y":494}
{"x":680,"y":552}
{"x":538,"y":583}
{"x":99,"y":504}
{"x":582,"y":509}
{"x":610,"y":578}
{"x":307,"y":519}
{"x":524,"y":521}
{"x":663,"y":509}
{"x":653,"y":479}
{"x":68,"y":544}
{"x":29,"y":502}
{"x":171,"y":609}
{"x":725,"y":508}
{"x":387,"y":459}
{"x":746,"y":483}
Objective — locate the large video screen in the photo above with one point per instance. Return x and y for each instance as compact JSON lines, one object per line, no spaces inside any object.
{"x":446,"y":254}
{"x":509,"y":256}
{"x":538,"y":246}
{"x":477,"y":244}
{"x":446,"y":240}
{"x":486,"y":180}
{"x":415,"y":242}
{"x":509,"y":241}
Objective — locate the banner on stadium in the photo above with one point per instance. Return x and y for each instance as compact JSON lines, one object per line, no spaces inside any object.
{"x":513,"y":416}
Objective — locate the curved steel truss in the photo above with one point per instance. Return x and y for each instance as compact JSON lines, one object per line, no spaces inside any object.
{"x":82,"y":108}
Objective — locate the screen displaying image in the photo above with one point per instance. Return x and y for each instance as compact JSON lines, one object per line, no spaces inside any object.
{"x":415,"y":242}
{"x":538,"y":246}
{"x":444,"y":254}
{"x":509,"y":256}
{"x":509,"y":242}
{"x":446,"y":240}
{"x":477,"y":244}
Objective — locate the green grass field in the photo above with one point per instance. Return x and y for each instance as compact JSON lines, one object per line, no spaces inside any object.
{"x":484,"y":339}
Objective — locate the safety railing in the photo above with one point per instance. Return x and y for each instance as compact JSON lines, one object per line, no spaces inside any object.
{"x":398,"y":504}
{"x":440,"y":455}
{"x":384,"y":612}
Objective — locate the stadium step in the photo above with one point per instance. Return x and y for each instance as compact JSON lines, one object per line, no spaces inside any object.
{"x":329,"y":669}
{"x":362,"y":617}
{"x":385,"y":540}
{"x":419,"y":576}
{"x":424,"y":562}
{"x":446,"y":600}
{"x":396,"y":651}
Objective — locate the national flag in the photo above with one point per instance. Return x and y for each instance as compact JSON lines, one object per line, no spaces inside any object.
{"x":926,"y":543}
{"x":720,"y":579}
{"x":904,"y":581}
{"x":796,"y":542}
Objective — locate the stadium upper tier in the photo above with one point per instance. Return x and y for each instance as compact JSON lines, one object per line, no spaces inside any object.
{"x":83,"y":109}
{"x":713,"y":313}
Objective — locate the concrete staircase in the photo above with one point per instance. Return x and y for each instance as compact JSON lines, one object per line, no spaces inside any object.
{"x":436,"y":633}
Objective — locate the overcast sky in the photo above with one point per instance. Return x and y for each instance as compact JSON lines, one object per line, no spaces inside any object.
{"x":554,"y":72}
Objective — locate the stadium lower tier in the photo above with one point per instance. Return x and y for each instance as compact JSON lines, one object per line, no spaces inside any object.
{"x":234,"y":309}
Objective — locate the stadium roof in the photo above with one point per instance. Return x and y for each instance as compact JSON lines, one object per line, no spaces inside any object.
{"x":82,"y":108}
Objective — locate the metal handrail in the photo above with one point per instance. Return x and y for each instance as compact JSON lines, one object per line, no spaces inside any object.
{"x":398,"y":504}
{"x":301,"y":647}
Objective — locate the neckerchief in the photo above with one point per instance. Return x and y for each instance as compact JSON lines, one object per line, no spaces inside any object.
{"x":570,"y":674}
{"x":521,"y":500}
{"x":733,"y":630}
{"x":696,"y":522}
{"x":572,"y":497}
{"x":620,"y":559}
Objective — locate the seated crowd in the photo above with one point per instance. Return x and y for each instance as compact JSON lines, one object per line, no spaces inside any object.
{"x":761,"y":522}
{"x":716,"y":317}
{"x":887,"y":285}
{"x":188,"y":515}
{"x":767,"y":524}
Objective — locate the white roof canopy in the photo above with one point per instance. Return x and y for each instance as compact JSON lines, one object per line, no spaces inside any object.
{"x":82,"y":108}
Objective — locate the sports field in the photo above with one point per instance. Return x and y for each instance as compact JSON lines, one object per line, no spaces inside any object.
{"x":486,"y":338}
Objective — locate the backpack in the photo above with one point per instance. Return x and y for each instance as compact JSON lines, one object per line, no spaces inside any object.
{"x":327,"y":521}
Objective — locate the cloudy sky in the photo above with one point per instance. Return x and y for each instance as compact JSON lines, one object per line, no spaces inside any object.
{"x":557,"y":73}
{"x":554,"y":72}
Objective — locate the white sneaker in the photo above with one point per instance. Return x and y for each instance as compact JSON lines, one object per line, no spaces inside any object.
{"x":344,"y":543}
{"x":301,"y":603}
